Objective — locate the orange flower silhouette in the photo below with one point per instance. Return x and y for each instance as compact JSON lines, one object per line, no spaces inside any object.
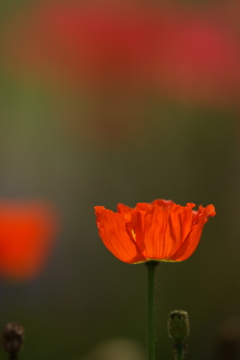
{"x":161,"y":230}
{"x":27,"y":231}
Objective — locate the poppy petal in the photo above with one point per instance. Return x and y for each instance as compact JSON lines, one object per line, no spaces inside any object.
{"x":192,"y":240}
{"x":179,"y":226}
{"x":124,"y":209}
{"x":163,"y":203}
{"x":112,"y":230}
{"x":153,"y":233}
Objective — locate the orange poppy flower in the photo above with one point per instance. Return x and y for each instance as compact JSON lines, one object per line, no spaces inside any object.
{"x":27,"y":232}
{"x":161,"y":230}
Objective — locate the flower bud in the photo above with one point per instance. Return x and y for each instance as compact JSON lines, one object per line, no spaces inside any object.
{"x":178,"y":325}
{"x":13,"y":337}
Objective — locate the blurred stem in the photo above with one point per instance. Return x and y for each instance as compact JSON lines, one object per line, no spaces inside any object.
{"x":179,"y":348}
{"x":13,"y":357}
{"x":151,"y":266}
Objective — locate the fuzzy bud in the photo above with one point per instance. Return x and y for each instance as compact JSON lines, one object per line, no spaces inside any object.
{"x":178,"y":325}
{"x":13,"y":337}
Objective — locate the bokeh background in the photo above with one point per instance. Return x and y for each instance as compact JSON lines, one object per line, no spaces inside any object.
{"x":121,"y":101}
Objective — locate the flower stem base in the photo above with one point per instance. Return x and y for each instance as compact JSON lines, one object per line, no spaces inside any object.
{"x":180,"y":350}
{"x":151,"y":266}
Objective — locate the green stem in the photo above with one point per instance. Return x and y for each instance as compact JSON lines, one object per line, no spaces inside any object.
{"x":180,"y":350}
{"x":151,"y":265}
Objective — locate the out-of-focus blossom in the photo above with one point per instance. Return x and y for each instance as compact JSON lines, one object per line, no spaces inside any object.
{"x":162,"y":230}
{"x":200,"y":60}
{"x":228,"y":13}
{"x":27,"y":232}
{"x":177,"y":51}
{"x":91,"y":44}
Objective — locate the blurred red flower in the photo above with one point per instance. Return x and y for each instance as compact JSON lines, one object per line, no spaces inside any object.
{"x":161,"y":230}
{"x":200,"y":60}
{"x":27,"y":232}
{"x":176,"y":50}
{"x":90,"y":43}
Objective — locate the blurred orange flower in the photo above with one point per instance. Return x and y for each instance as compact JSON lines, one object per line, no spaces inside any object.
{"x":161,"y":230}
{"x":27,"y":231}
